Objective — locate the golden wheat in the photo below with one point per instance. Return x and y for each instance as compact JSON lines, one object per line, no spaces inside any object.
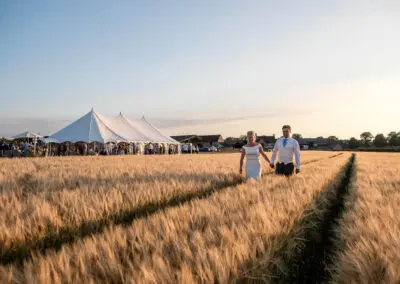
{"x":369,"y":234}
{"x":43,"y":196}
{"x":290,"y":259}
{"x":202,"y":240}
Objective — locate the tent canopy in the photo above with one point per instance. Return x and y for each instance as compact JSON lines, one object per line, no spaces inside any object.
{"x":25,"y":135}
{"x":149,"y":130}
{"x":93,"y":127}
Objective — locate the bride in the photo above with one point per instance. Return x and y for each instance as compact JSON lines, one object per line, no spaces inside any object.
{"x":252,"y":151}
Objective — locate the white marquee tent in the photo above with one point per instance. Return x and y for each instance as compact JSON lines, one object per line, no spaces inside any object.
{"x":94,"y":127}
{"x":25,"y":135}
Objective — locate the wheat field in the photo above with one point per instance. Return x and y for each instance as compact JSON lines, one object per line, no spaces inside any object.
{"x":161,"y":219}
{"x":369,"y":234}
{"x":98,"y":191}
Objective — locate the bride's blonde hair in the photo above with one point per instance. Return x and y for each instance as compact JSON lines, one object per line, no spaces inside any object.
{"x":251,"y":133}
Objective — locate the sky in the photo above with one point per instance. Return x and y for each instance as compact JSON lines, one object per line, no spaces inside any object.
{"x":202,"y":67}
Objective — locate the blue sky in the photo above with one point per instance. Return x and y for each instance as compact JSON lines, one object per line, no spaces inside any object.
{"x":325,"y":67}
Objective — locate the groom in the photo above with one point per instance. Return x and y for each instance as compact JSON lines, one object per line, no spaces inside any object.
{"x":287,"y":147}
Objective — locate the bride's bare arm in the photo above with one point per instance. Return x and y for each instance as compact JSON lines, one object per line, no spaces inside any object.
{"x":263,"y":154}
{"x":241,"y":159}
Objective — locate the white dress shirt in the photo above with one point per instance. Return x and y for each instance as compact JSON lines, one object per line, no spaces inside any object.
{"x":286,"y":152}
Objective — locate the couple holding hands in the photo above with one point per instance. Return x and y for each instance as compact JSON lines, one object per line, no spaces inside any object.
{"x":287,"y":148}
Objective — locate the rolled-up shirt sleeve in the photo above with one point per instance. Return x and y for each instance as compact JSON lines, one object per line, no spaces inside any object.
{"x":274,"y":152}
{"x":297,"y":154}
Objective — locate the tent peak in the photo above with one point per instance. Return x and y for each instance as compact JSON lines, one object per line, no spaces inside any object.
{"x":92,"y":113}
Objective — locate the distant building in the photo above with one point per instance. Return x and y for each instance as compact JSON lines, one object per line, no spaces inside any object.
{"x":211,"y":140}
{"x":338,"y":147}
{"x":200,"y":140}
{"x":266,"y":141}
{"x":187,"y":139}
{"x":313,"y":143}
{"x":322,"y":144}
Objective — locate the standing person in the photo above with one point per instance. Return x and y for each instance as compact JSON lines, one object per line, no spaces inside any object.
{"x":62,"y":152}
{"x":26,"y":148}
{"x":287,"y":148}
{"x":252,"y":152}
{"x":151,"y":148}
{"x":85,"y":148}
{"x":45,"y":151}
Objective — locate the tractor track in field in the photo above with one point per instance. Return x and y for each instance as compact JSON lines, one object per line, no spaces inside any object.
{"x":310,"y":264}
{"x":20,"y":252}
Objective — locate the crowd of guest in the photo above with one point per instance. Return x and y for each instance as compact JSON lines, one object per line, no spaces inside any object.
{"x":20,"y":149}
{"x":27,"y":149}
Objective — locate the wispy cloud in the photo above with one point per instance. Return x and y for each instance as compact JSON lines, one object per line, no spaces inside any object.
{"x":174,"y":123}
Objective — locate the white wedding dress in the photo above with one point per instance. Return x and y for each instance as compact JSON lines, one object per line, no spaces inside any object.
{"x":253,"y":165}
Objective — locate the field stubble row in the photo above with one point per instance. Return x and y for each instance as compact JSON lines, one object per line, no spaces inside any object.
{"x":368,"y":236}
{"x":306,"y":251}
{"x":202,"y":240}
{"x":86,"y":194}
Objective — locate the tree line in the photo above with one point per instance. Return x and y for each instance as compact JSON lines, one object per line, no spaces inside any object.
{"x":380,"y":140}
{"x":367,"y":139}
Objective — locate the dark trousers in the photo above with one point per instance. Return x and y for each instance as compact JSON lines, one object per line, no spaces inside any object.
{"x":282,"y":169}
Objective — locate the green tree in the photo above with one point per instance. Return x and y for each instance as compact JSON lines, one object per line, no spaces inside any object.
{"x":380,"y":140}
{"x":243,"y":138}
{"x":297,"y":136}
{"x":366,"y":137}
{"x":230,"y":141}
{"x":353,"y":143}
{"x":333,"y":138}
{"x":394,"y":138}
{"x":391,"y":135}
{"x":320,"y":137}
